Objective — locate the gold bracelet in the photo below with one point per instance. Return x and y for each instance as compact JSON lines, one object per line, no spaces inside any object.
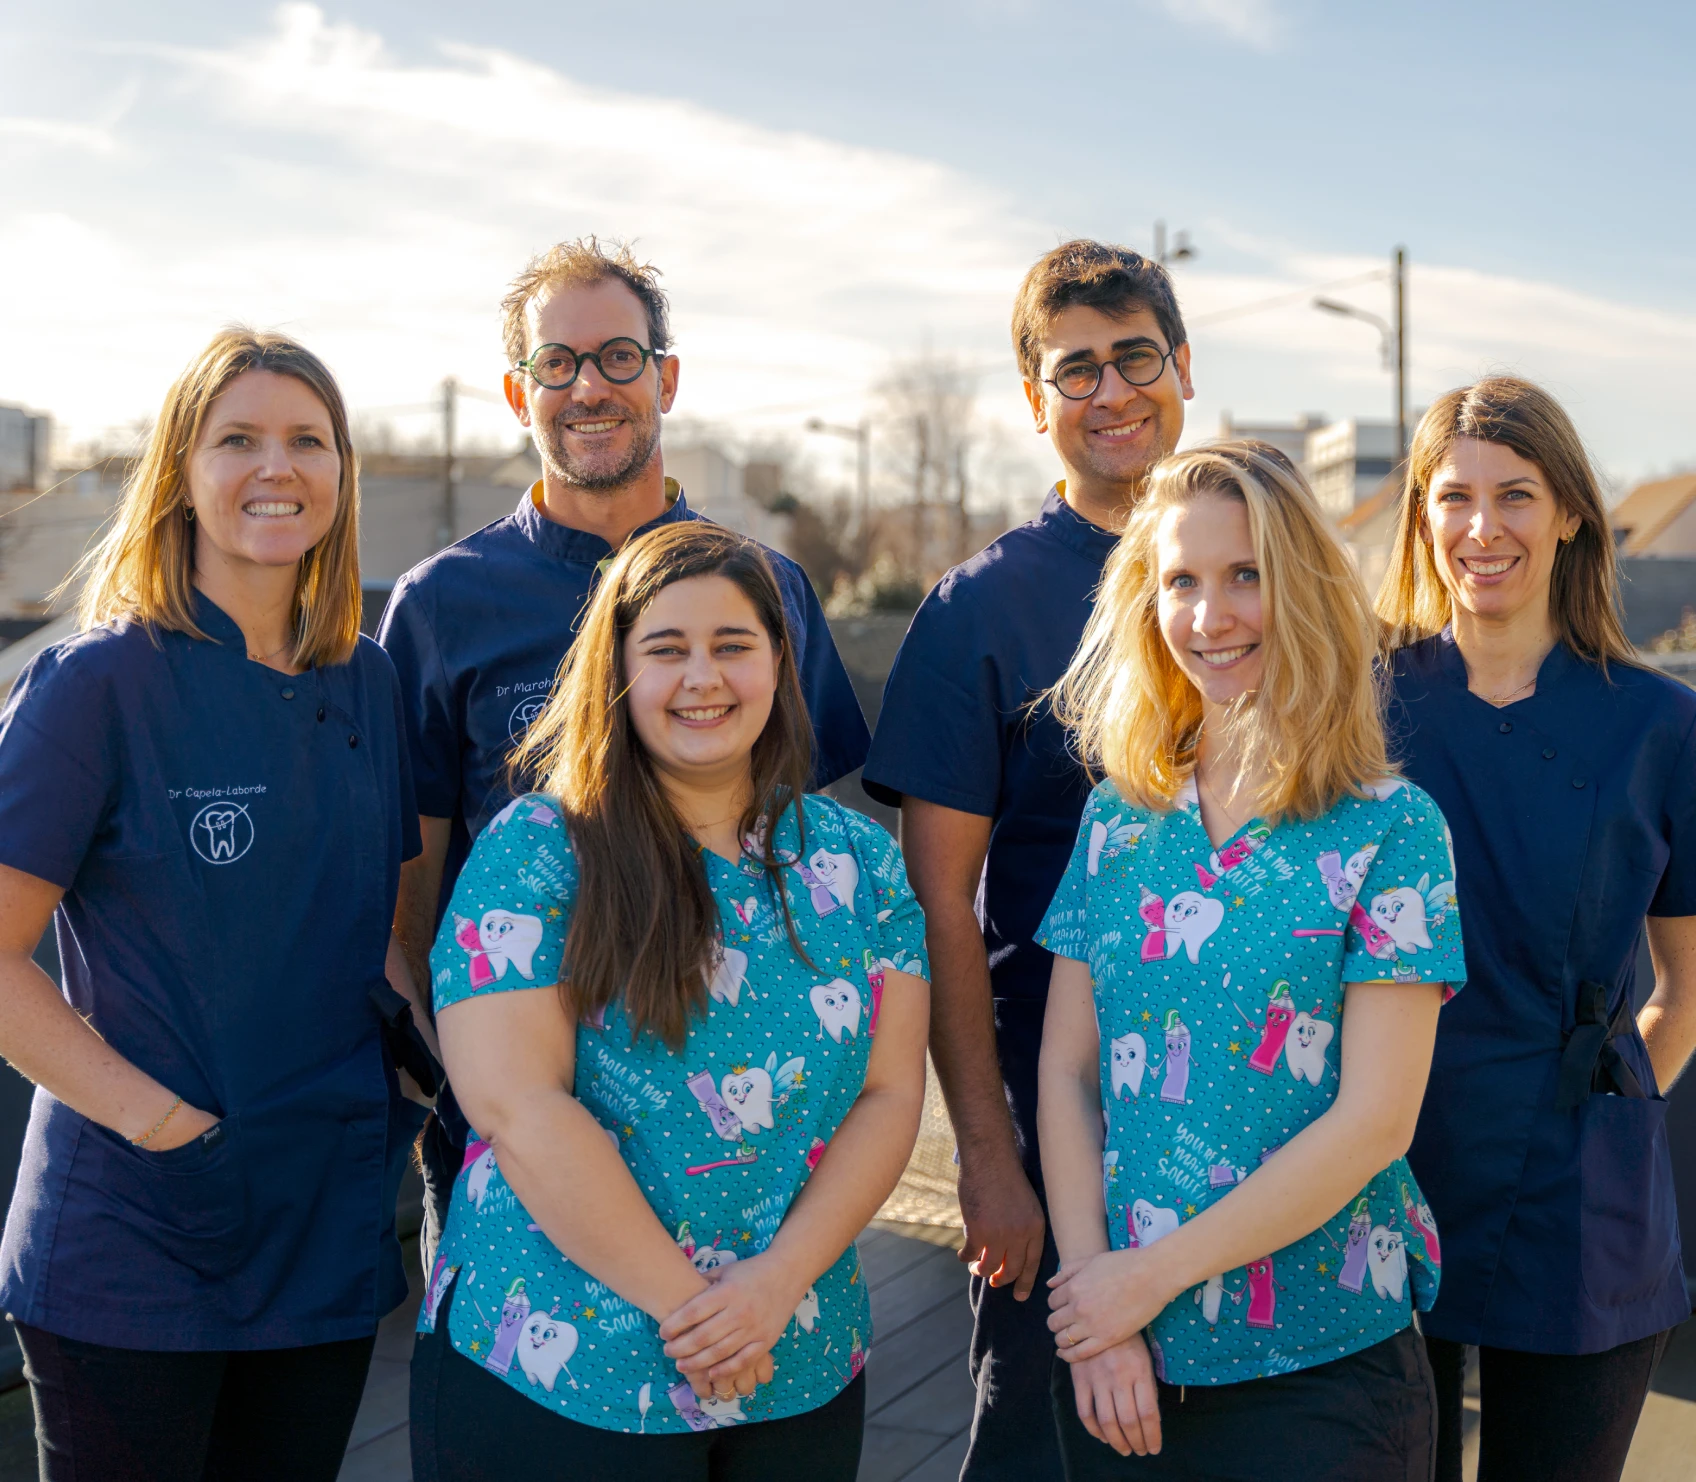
{"x":137,"y":1141}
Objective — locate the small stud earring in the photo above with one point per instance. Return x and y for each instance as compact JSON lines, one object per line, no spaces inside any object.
{"x":1568,"y":539}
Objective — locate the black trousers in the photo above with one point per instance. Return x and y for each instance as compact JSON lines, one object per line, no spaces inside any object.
{"x":469,"y":1426}
{"x":1013,"y":1437}
{"x":1545,"y":1417}
{"x":1370,"y":1417}
{"x":137,"y":1415}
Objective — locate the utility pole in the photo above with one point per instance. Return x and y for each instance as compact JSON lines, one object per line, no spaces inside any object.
{"x":445,"y":531}
{"x":1401,"y":354}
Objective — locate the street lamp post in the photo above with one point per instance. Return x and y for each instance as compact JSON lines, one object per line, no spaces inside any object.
{"x":1182,"y":248}
{"x":860,"y":434}
{"x":1392,"y":343}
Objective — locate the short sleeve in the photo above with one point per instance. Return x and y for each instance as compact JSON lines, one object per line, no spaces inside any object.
{"x":840,"y":737}
{"x":506,"y":924}
{"x":1404,"y":925}
{"x":900,"y":917}
{"x":938,"y":734}
{"x":1064,"y":930}
{"x":59,"y":767}
{"x":431,"y":733}
{"x":1676,"y":894}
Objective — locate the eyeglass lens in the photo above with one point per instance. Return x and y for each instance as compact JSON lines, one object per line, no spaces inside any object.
{"x":619,"y":361}
{"x":1141,"y":365}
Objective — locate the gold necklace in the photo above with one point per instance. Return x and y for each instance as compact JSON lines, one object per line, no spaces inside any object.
{"x":1500,"y":700}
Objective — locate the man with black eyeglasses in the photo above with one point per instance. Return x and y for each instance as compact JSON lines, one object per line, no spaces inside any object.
{"x":990,"y":796}
{"x":477,"y":631}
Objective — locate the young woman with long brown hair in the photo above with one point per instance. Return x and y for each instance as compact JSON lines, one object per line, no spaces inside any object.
{"x":683,"y":1004}
{"x":206,"y":791}
{"x":1568,"y":773}
{"x":1252,"y":942}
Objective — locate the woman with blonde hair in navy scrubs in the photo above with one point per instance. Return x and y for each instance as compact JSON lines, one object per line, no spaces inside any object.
{"x":206,"y":792}
{"x":1568,"y":774}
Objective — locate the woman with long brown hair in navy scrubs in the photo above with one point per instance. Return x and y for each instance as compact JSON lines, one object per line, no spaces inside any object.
{"x":1567,"y":773}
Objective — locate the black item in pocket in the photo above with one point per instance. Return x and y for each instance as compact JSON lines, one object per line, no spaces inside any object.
{"x":190,"y":1202}
{"x":1628,"y":1224}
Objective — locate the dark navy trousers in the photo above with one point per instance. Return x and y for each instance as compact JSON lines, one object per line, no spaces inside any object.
{"x":1013,"y":1434}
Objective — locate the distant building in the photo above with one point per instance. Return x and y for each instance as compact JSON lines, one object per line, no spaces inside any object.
{"x":1289,"y":438}
{"x":1657,"y":519}
{"x":26,"y":448}
{"x":1347,"y":462}
{"x":44,"y":535}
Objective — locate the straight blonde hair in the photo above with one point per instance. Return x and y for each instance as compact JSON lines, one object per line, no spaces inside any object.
{"x":1584,"y":603}
{"x":143,"y":568}
{"x":1314,"y":722}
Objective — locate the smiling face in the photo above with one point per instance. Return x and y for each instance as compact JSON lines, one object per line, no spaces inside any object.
{"x":1495,"y":528}
{"x":1210,"y":596}
{"x":593,"y":434}
{"x":1108,"y":441}
{"x":264,"y":477}
{"x":702,"y":672}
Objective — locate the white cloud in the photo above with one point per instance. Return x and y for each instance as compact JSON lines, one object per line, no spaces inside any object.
{"x":377,"y":207}
{"x":57,"y":132}
{"x":1255,"y":23}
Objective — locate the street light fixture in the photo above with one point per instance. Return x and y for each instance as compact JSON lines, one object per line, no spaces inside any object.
{"x":1392,"y":342}
{"x":1182,"y":248}
{"x":860,"y":434}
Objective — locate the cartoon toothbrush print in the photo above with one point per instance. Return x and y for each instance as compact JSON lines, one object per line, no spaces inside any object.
{"x":1280,"y":1010}
{"x":874,"y":976}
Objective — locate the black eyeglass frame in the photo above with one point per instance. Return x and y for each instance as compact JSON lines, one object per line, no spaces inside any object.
{"x":528,"y":366}
{"x":1100,"y":367}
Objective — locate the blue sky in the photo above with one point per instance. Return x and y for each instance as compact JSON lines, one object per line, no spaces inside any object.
{"x":830,"y":191}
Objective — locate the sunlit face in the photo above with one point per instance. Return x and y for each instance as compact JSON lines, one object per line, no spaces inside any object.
{"x":1209,"y":604}
{"x":264,"y":477}
{"x":1495,"y":528}
{"x":1121,"y":431}
{"x":593,"y":434}
{"x":702,"y":676}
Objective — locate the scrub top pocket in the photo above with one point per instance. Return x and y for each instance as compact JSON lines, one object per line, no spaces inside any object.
{"x":1626,"y":1197}
{"x":191,"y":1202}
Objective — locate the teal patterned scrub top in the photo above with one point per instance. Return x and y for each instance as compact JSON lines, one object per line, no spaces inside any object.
{"x":1219,"y":977}
{"x":720,"y":1136}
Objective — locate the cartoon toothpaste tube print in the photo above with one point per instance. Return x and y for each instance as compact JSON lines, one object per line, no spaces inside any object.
{"x":1280,"y":1010}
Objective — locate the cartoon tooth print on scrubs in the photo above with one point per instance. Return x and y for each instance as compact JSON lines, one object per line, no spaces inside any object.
{"x":1186,"y":922}
{"x":1195,"y":1047}
{"x":501,"y":939}
{"x":222,"y":832}
{"x":837,"y":1003}
{"x":1130,"y":1060}
{"x":545,"y":1347}
{"x":1305,"y":1046}
{"x":720,"y":1136}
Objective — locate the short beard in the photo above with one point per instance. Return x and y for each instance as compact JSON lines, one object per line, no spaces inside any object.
{"x":581,"y":474}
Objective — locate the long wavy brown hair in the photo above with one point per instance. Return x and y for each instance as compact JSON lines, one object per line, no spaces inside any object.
{"x":1584,"y":604}
{"x":645,"y":928}
{"x":143,"y":568}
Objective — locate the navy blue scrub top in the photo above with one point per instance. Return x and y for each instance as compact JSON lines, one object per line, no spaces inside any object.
{"x":477,"y":633}
{"x":1574,"y":816}
{"x":229,"y":840}
{"x":956,"y":728}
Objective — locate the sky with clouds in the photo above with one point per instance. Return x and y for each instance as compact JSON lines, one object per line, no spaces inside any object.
{"x":827,"y":194}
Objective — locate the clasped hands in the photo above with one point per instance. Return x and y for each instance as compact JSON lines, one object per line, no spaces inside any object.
{"x":1099,"y":1306}
{"x":721,"y":1339}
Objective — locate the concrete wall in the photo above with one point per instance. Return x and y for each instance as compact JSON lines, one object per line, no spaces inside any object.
{"x":1656,"y":589}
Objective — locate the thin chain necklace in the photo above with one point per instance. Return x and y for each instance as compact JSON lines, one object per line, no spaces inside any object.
{"x":266,"y":658}
{"x":1500,"y":700}
{"x":1230,"y":817}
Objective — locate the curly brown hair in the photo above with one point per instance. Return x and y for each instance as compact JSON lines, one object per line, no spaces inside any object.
{"x":585,"y":260}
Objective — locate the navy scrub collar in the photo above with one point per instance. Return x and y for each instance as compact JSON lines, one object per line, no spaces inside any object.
{"x":1559,"y":665}
{"x":579,"y":546}
{"x":1065,"y":524}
